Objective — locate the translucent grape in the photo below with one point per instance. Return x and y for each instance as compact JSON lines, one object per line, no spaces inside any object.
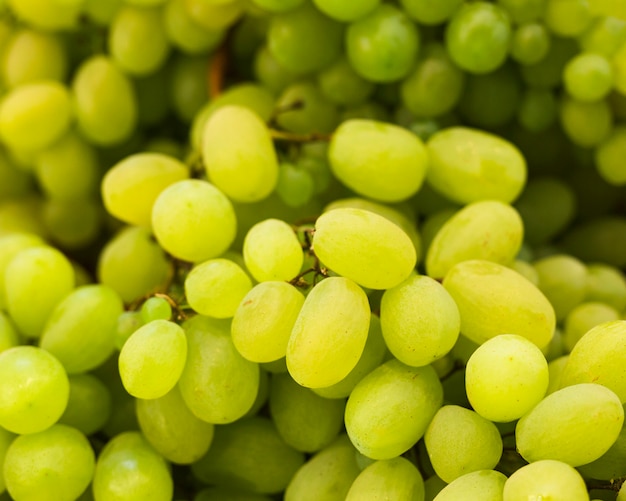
{"x":483,"y":485}
{"x":89,"y":406}
{"x":47,"y":15}
{"x":155,"y":308}
{"x":306,"y":109}
{"x":588,"y":77}
{"x":545,"y":478}
{"x":608,"y":157}
{"x":396,"y":478}
{"x":530,"y":43}
{"x":583,"y":318}
{"x":295,"y":186}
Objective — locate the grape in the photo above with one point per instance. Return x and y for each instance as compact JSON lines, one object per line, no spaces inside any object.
{"x":304,"y":109}
{"x":394,"y":478}
{"x":600,"y":239}
{"x":482,"y":485}
{"x":295,"y":185}
{"x":425,"y":12}
{"x":34,"y":389}
{"x":56,"y":464}
{"x":605,"y":35}
{"x":530,"y":43}
{"x":188,"y":89}
{"x":382,"y":45}
{"x":586,"y":124}
{"x":170,"y":427}
{"x":214,"y":16}
{"x":608,"y":155}
{"x":329,"y":334}
{"x":588,"y":77}
{"x":420,"y":321}
{"x":277,"y":5}
{"x":493,"y":300}
{"x":184,"y":33}
{"x":9,"y":336}
{"x":389,"y":409}
{"x":548,"y":73}
{"x":350,"y":10}
{"x":523,"y":11}
{"x":583,"y":318}
{"x":379,"y":254}
{"x":545,"y":478}
{"x":567,"y":18}
{"x":505,"y":378}
{"x":128,"y":468}
{"x":155,"y":308}
{"x":607,"y":285}
{"x":10,"y":246}
{"x":468,"y":165}
{"x":378,"y":160}
{"x":270,"y":73}
{"x":89,"y":406}
{"x":46,"y":14}
{"x":342,"y":85}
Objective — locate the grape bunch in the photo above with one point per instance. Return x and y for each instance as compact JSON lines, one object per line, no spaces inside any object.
{"x":312,"y":250}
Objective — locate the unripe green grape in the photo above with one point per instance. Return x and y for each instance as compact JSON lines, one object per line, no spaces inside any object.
{"x":395,"y":478}
{"x":304,"y":109}
{"x":89,"y":406}
{"x":214,"y":16}
{"x":523,"y":11}
{"x":588,"y":77}
{"x":48,"y":15}
{"x":10,"y":246}
{"x":537,"y":110}
{"x":277,"y":5}
{"x":155,"y":308}
{"x":187,"y":84}
{"x":295,"y":185}
{"x":269,"y":72}
{"x":346,"y":11}
{"x":605,"y":35}
{"x":530,"y":43}
{"x":555,"y":479}
{"x":184,"y":33}
{"x":606,"y":284}
{"x":342,"y":85}
{"x":567,"y":18}
{"x":586,"y":124}
{"x":608,"y":155}
{"x":425,"y":12}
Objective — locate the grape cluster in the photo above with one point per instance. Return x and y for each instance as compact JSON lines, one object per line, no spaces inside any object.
{"x":312,"y":250}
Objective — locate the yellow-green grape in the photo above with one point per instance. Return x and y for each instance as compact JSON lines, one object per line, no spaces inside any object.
{"x":14,"y":181}
{"x":50,"y":15}
{"x":588,"y":77}
{"x":506,"y":377}
{"x":548,"y":479}
{"x":460,"y":441}
{"x":35,"y":115}
{"x":555,"y":370}
{"x":277,"y":5}
{"x":72,"y":224}
{"x":583,"y":318}
{"x":526,"y":269}
{"x":185,"y":33}
{"x":482,"y":485}
{"x":329,"y":334}
{"x":426,"y":12}
{"x":101,"y":12}
{"x":395,"y":478}
{"x":10,"y":246}
{"x":597,"y":358}
{"x":153,"y":358}
{"x":605,"y":35}
{"x":389,"y":409}
{"x":128,"y":468}
{"x":81,"y":329}
{"x":89,"y":406}
{"x":215,"y":16}
{"x":567,"y":18}
{"x":220,"y":389}
{"x":155,"y":308}
{"x":327,"y":476}
{"x":22,"y":216}
{"x":193,"y":220}
{"x":493,"y":300}
{"x":420,"y":321}
{"x":488,"y":230}
{"x":269,"y":72}
{"x":576,"y":425}
{"x":104,"y":101}
{"x":611,"y":465}
{"x":9,"y":336}
{"x":586,"y":124}
{"x":238,"y":153}
{"x":130,"y":187}
{"x":306,"y":421}
{"x":530,"y":43}
{"x":378,"y":160}
{"x":306,"y":109}
{"x":170,"y":427}
{"x":608,"y":154}
{"x":365,"y":247}
{"x":537,"y":110}
{"x":342,"y":85}
{"x":295,"y":185}
{"x":187,"y":86}
{"x":264,"y":319}
{"x":54,"y":464}
{"x":249,"y":454}
{"x":34,"y":389}
{"x":468,"y":165}
{"x":36,"y":280}
{"x":605,"y":284}
{"x":346,"y":11}
{"x":6,"y":438}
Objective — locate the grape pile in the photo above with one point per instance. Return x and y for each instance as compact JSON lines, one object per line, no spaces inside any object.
{"x":312,"y":250}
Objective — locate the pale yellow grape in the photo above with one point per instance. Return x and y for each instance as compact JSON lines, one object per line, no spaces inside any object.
{"x":10,"y":246}
{"x":216,"y":287}
{"x":329,"y":334}
{"x":395,"y":478}
{"x":605,"y":284}
{"x":546,"y":479}
{"x":272,"y":251}
{"x":131,"y":186}
{"x":9,"y":336}
{"x":489,"y":230}
{"x":264,"y":319}
{"x":585,"y":317}
{"x":493,"y":299}
{"x":6,"y":438}
{"x":364,"y":247}
{"x":483,"y":485}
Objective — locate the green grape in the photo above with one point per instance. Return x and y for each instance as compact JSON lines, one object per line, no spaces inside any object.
{"x":482,"y":485}
{"x":89,"y":406}
{"x":306,"y":421}
{"x":193,"y":220}
{"x":249,"y":454}
{"x":14,"y":182}
{"x":611,"y":465}
{"x":576,"y":425}
{"x":145,"y":3}
{"x":214,"y":16}
{"x":55,"y":464}
{"x":608,"y":157}
{"x":127,"y":323}
{"x":270,"y":73}
{"x":583,"y":318}
{"x":426,"y":12}
{"x":9,"y":336}
{"x":346,"y":11}
{"x":22,"y":216}
{"x":460,"y":441}
{"x":104,"y":101}
{"x":488,"y":230}
{"x":382,"y":45}
{"x":342,"y":85}
{"x":493,"y":300}
{"x":329,"y":334}
{"x":10,"y":246}
{"x":605,"y":284}
{"x":32,"y":55}
{"x":184,"y":33}
{"x":34,"y":389}
{"x":295,"y":185}
{"x":228,"y":494}
{"x":153,"y":100}
{"x":588,"y":77}
{"x":389,"y":409}
{"x":548,"y":72}
{"x":153,"y":358}
{"x":435,"y":85}
{"x":523,"y":11}
{"x":101,"y":12}
{"x":478,"y":36}
{"x":220,"y":389}
{"x":530,"y":43}
{"x":545,"y":479}
{"x":48,"y":15}
{"x":600,"y":239}
{"x":216,"y":287}
{"x":367,"y":111}
{"x":537,"y":111}
{"x":567,"y":18}
{"x":155,"y":308}
{"x":72,"y":224}
{"x":395,"y":478}
{"x":506,"y":377}
{"x":128,"y":468}
{"x":170,"y":427}
{"x":277,"y":5}
{"x":327,"y":476}
{"x":468,"y":165}
{"x":378,"y":160}
{"x":420,"y":321}
{"x":5,"y":441}
{"x":379,"y":254}
{"x":81,"y":329}
{"x":35,"y":115}
{"x":187,"y":86}
{"x":555,"y":370}
{"x":302,"y":108}
{"x":605,"y":35}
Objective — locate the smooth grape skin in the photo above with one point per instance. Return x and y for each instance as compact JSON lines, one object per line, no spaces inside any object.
{"x":53,"y":465}
{"x":588,"y":77}
{"x":34,"y":389}
{"x":545,"y":479}
{"x":483,"y":485}
{"x":530,"y":43}
{"x":389,"y":409}
{"x":426,"y":12}
{"x":10,"y":246}
{"x":346,"y":11}
{"x":608,"y":157}
{"x":184,"y":33}
{"x":89,"y":406}
{"x":395,"y":478}
{"x":155,"y":308}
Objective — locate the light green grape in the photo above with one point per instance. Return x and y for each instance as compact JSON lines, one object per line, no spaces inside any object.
{"x":304,"y":109}
{"x":608,"y":155}
{"x":188,"y":88}
{"x":493,"y":300}
{"x":128,"y":468}
{"x":389,"y":409}
{"x":599,"y":239}
{"x":72,"y":224}
{"x":295,"y":185}
{"x":482,"y":485}
{"x":583,"y":318}
{"x":365,"y":247}
{"x":184,"y":33}
{"x":395,"y":478}
{"x":10,"y":246}
{"x":89,"y":406}
{"x":425,"y":12}
{"x":56,"y":464}
{"x":47,"y":15}
{"x":588,"y":77}
{"x":506,"y":377}
{"x":605,"y":35}
{"x":127,"y":323}
{"x":530,"y":43}
{"x":607,"y":285}
{"x":5,"y":441}
{"x":586,"y":124}
{"x":34,"y":389}
{"x":220,"y":389}
{"x":555,"y":370}
{"x":170,"y":427}
{"x":9,"y":336}
{"x":523,"y":11}
{"x":342,"y":85}
{"x":269,"y":72}
{"x":277,"y":5}
{"x":346,"y":11}
{"x":611,"y":465}
{"x":541,"y":479}
{"x":567,"y":18}
{"x":155,"y":308}
{"x":101,"y":12}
